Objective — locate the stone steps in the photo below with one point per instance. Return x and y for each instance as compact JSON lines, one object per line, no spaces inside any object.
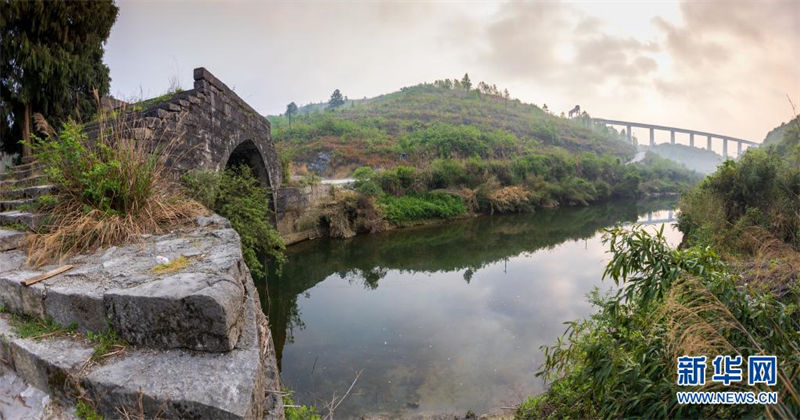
{"x":6,"y":205}
{"x":11,"y":239}
{"x":171,"y":384}
{"x":35,"y":179}
{"x":22,"y":171}
{"x":28,"y":192}
{"x":31,"y":220}
{"x":186,"y":308}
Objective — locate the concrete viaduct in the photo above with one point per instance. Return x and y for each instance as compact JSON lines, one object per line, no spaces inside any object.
{"x":709,"y":137}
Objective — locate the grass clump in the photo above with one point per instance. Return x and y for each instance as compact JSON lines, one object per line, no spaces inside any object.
{"x":19,"y":226}
{"x":434,"y":205}
{"x":175,"y":265}
{"x":111,"y":188}
{"x":238,"y":195}
{"x":38,"y":328}
{"x":85,"y":411}
{"x":107,"y":343}
{"x":294,"y":411}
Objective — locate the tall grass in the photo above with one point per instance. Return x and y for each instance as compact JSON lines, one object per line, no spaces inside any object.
{"x":112,"y":188}
{"x":622,"y":361}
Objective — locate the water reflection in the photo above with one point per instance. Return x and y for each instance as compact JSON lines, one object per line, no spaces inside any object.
{"x":438,"y":319}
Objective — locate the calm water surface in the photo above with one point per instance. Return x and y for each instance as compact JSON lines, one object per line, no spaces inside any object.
{"x":439,"y":319}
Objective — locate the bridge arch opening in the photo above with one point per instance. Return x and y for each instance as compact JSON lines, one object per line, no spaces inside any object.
{"x":246,"y":153}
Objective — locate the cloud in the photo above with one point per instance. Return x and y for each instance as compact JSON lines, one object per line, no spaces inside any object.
{"x":556,"y":44}
{"x":716,"y":66}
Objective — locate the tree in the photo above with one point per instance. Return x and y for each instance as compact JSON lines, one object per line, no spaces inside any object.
{"x":337,"y":100}
{"x":466,"y":83}
{"x":52,"y":61}
{"x":291,"y":109}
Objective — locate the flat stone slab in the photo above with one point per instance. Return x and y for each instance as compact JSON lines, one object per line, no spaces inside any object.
{"x":11,"y":239}
{"x":30,"y":220}
{"x":198,"y":307}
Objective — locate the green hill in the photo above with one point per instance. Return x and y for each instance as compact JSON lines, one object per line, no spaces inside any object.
{"x":785,"y":138}
{"x":429,"y":121}
{"x":698,"y":160}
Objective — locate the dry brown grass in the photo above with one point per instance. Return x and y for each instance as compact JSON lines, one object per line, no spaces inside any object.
{"x":147,"y":201}
{"x":774,"y":266}
{"x":348,"y":213}
{"x":698,"y":323}
{"x":509,"y":199}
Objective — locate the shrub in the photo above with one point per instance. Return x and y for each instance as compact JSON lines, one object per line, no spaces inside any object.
{"x":365,"y":182}
{"x":621,"y":362}
{"x":349,"y":213}
{"x":761,"y":189}
{"x":111,"y":189}
{"x":435,"y":205}
{"x":239,"y":196}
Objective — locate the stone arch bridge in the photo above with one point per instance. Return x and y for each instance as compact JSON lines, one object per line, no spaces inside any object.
{"x":207,"y":127}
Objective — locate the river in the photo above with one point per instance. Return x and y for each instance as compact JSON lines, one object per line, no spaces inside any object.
{"x":439,"y":319}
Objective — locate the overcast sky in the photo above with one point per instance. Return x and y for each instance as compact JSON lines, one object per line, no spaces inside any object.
{"x":719,"y":66}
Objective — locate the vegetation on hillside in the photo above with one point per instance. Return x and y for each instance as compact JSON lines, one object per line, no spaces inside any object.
{"x":442,"y":150}
{"x":733,"y":289}
{"x":433,"y":121}
{"x":514,"y":185}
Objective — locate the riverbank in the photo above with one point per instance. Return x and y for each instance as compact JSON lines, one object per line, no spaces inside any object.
{"x":731,"y":289}
{"x":322,"y":210}
{"x":405,"y":305}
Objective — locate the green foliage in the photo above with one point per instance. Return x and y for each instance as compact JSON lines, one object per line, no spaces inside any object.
{"x":52,"y":61}
{"x":38,"y":328}
{"x":291,"y":109}
{"x":239,"y":196}
{"x":762,"y":189}
{"x":435,"y":205}
{"x":620,"y":362}
{"x":365,"y":182}
{"x":86,"y":411}
{"x":22,"y":227}
{"x":293,"y":411}
{"x":99,"y":175}
{"x":336,"y":100}
{"x":390,"y":128}
{"x":106,"y":342}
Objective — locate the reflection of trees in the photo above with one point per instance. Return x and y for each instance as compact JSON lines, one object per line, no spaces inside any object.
{"x":458,"y":246}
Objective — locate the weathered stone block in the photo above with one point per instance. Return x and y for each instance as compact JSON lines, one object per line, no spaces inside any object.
{"x":86,"y":308}
{"x":189,"y":310}
{"x":47,"y":364}
{"x":10,"y":239}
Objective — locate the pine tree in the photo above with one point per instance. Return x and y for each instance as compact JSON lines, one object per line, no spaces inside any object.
{"x":466,"y":83}
{"x":336,"y":100}
{"x":52,"y":61}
